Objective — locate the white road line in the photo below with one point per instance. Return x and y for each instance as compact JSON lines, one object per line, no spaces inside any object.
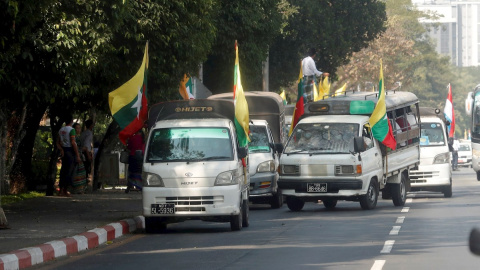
{"x":409,"y":200}
{"x":387,"y":247}
{"x":395,"y":230}
{"x":378,"y":265}
{"x":400,"y":220}
{"x":405,"y":209}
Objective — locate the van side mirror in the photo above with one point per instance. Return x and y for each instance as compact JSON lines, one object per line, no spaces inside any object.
{"x":358,"y":144}
{"x":242,"y":152}
{"x":278,"y":148}
{"x":474,"y":241}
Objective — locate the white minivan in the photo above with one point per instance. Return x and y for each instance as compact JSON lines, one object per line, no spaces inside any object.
{"x":434,"y":172}
{"x":193,"y":166}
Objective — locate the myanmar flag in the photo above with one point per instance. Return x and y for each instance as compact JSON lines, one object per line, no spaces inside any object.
{"x":186,"y":88}
{"x":381,"y":127}
{"x":241,"y":106}
{"x":128,"y":103}
{"x":300,"y":102}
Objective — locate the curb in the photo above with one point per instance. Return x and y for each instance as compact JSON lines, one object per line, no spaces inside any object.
{"x":26,"y":257}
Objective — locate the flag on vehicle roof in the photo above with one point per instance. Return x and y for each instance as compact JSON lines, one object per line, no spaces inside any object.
{"x":128,"y":103}
{"x":449,"y":112}
{"x":379,"y":123}
{"x":186,"y":87}
{"x":299,"y":109}
{"x":341,"y":90}
{"x":284,"y":97}
{"x":323,"y":88}
{"x":242,"y":120}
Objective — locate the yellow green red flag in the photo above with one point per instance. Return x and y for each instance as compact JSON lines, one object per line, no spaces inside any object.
{"x":128,"y":103}
{"x":242,"y":120}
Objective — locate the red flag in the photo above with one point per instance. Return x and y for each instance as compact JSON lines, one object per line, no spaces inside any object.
{"x":449,"y":112}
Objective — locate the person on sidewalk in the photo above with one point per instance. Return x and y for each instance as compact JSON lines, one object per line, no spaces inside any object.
{"x":310,"y":73}
{"x":69,"y":153}
{"x":456,"y":145}
{"x":86,"y":140}
{"x":136,"y":148}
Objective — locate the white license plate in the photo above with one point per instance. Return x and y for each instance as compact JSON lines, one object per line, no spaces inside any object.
{"x":317,"y":187}
{"x":162,"y":208}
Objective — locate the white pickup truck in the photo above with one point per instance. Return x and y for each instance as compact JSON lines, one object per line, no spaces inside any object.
{"x":331,"y":154}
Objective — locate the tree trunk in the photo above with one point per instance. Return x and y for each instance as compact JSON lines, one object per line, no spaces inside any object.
{"x":52,"y":165}
{"x":20,"y":172}
{"x":111,"y":136}
{"x":3,"y":141}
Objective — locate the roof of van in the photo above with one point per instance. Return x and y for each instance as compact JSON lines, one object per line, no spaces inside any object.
{"x":341,"y":104}
{"x":430,"y":111}
{"x":259,"y":102}
{"x":191,"y":109}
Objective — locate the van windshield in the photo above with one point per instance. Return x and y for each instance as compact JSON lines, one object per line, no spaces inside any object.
{"x":258,"y":140}
{"x":189,"y":144}
{"x":432,"y":134}
{"x":321,"y":138}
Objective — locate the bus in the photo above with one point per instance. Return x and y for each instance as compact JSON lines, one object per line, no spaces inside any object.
{"x":472,"y":107}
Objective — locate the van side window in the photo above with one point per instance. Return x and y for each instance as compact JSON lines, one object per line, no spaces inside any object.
{"x":367,"y":137}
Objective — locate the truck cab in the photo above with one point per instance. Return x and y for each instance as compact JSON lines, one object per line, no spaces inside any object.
{"x":193,"y":165}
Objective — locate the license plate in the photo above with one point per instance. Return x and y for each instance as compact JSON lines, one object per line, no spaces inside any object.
{"x":163,"y":208}
{"x":317,"y":187}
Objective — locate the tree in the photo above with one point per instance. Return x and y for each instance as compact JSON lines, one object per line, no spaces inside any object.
{"x":335,"y":28}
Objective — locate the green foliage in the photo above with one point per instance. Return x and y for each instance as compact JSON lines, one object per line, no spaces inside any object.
{"x":11,"y":199}
{"x":335,"y":28}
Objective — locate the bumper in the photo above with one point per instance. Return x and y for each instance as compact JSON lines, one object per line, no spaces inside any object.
{"x":263,"y":184}
{"x":431,"y":175}
{"x":334,"y":188}
{"x":464,"y":161}
{"x":193,"y":202}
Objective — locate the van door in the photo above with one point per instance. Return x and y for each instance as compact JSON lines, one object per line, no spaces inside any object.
{"x":372,"y":157}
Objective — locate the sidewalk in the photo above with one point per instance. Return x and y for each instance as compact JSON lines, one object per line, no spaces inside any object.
{"x":42,"y":229}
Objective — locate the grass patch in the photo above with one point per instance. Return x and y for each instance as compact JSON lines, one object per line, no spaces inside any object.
{"x":9,"y":199}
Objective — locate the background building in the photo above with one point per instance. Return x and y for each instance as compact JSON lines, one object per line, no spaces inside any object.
{"x":458,"y":31}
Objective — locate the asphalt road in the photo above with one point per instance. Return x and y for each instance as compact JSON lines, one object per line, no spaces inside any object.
{"x":429,"y":232}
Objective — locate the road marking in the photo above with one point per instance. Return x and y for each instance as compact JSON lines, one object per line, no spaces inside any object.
{"x":388,"y":246}
{"x":409,"y":200}
{"x":378,"y":265}
{"x":400,"y":220}
{"x":395,"y":230}
{"x":405,"y":209}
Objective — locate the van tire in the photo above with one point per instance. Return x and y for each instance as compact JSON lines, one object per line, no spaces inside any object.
{"x":295,"y":204}
{"x":369,"y":200}
{"x":478,"y":175}
{"x":447,"y":190}
{"x":245,"y":214}
{"x":277,"y":200}
{"x":330,"y":204}
{"x":153,"y":225}
{"x":399,"y":191}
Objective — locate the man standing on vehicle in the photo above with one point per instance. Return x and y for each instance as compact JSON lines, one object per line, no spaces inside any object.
{"x":310,"y":73}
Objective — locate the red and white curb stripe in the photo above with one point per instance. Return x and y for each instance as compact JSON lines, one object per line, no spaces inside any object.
{"x":26,"y":257}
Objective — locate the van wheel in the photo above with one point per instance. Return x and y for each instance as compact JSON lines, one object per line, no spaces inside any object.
{"x":369,"y":200}
{"x":295,"y":204}
{"x":478,"y":175}
{"x":399,"y":192}
{"x":236,"y":221}
{"x":154,"y":225}
{"x":447,"y":190}
{"x":245,"y":213}
{"x":329,"y":204}
{"x":277,"y":200}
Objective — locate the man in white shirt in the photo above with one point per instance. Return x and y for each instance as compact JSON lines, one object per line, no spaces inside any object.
{"x":455,"y":145}
{"x":310,"y":73}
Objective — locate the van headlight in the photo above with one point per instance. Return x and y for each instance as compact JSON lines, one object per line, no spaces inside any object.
{"x":442,"y":158}
{"x":152,"y":180}
{"x":267,"y":166}
{"x":227,"y":178}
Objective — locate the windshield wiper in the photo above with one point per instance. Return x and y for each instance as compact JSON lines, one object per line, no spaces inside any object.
{"x":297,"y":151}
